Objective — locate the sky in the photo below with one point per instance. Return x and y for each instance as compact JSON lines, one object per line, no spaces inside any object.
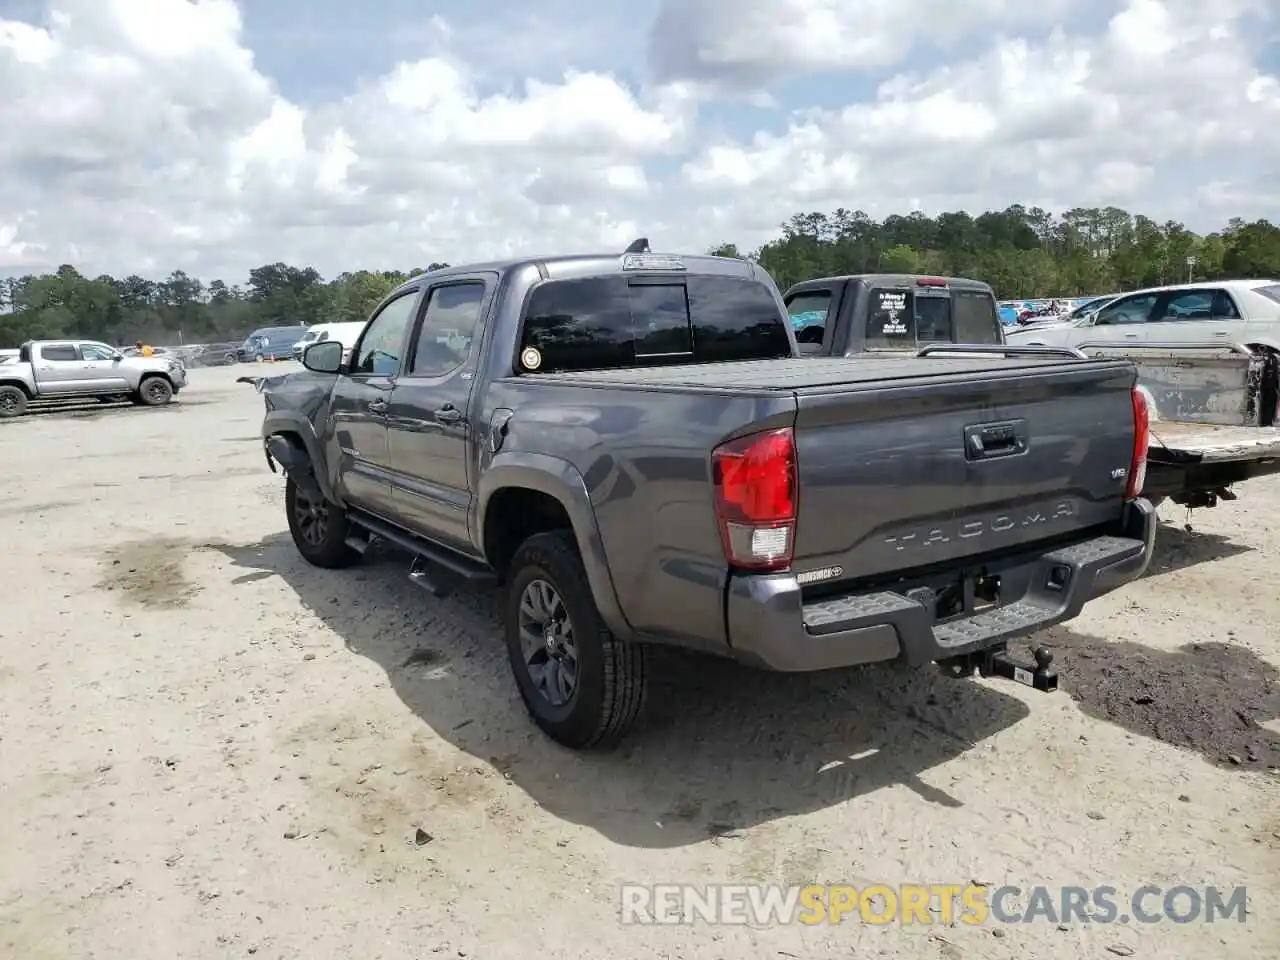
{"x":211,"y":136}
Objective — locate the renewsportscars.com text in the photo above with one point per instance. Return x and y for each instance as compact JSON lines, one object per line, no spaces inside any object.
{"x":767,"y":905}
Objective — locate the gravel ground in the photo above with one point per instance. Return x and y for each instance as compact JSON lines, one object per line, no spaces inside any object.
{"x":209,"y":749}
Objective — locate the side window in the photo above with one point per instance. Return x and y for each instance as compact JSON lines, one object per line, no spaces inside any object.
{"x":1188,"y":305}
{"x":61,"y":352}
{"x":383,"y":341}
{"x":1271,"y":291}
{"x":95,"y":351}
{"x":1134,"y":309}
{"x":809,"y":311}
{"x":891,"y":318}
{"x":448,"y":325}
{"x":1224,"y":308}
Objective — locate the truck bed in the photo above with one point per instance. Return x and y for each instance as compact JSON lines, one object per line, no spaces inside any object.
{"x":800,"y":373}
{"x":1177,"y":442}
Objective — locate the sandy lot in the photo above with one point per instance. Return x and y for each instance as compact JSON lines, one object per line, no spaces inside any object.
{"x":210,"y":749}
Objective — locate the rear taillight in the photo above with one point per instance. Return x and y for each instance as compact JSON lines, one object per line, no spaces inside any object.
{"x":755,"y":489}
{"x":931,"y":281}
{"x":1141,"y":440}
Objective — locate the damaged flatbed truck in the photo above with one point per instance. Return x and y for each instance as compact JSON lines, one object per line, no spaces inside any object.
{"x":633,"y":448}
{"x":1214,"y":406}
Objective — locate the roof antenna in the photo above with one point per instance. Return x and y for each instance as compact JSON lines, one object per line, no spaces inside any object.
{"x":640,"y":245}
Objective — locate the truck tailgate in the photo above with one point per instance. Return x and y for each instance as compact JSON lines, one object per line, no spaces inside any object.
{"x":917,"y":470}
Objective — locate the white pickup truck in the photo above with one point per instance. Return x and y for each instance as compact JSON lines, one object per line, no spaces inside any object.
{"x":73,"y":369}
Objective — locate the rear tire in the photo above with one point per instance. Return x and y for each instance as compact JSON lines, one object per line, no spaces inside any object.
{"x":13,"y":401}
{"x":581,"y":685}
{"x":154,"y":391}
{"x":319,"y":529}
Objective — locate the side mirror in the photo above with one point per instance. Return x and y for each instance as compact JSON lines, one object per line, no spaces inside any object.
{"x":117,"y":357}
{"x":324,"y":357}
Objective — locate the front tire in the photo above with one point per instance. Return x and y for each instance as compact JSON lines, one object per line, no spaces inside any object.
{"x":581,"y":685}
{"x":155,"y":392}
{"x":13,"y":401}
{"x":319,"y":529}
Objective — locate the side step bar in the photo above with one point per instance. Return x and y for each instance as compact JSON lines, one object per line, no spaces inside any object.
{"x":434,"y":567}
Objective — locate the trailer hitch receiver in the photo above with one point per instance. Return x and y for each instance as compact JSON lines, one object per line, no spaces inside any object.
{"x":997,"y":662}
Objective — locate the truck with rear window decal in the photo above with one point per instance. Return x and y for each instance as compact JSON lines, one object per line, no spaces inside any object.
{"x":634,"y":449}
{"x":1213,"y":401}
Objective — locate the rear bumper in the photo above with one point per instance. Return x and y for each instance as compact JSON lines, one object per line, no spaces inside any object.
{"x":771,"y":626}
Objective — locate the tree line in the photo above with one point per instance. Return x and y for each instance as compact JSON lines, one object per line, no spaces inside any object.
{"x":1022,"y":252}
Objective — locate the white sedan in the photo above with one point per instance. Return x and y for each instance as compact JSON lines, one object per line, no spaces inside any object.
{"x":1227,"y":311}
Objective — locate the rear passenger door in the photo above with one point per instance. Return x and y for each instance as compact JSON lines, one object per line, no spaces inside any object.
{"x":1196,"y":316}
{"x":59,"y":369}
{"x":430,"y":433}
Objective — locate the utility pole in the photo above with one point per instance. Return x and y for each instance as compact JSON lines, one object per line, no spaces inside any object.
{"x":1191,"y":265}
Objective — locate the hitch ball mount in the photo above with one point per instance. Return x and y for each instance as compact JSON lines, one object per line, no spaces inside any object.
{"x":997,"y":662}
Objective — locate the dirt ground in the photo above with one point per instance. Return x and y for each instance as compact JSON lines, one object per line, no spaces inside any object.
{"x":210,"y":749}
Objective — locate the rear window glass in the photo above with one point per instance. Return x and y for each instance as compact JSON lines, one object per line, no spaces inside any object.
{"x":891,"y":319}
{"x":974,"y":314}
{"x":608,"y":322}
{"x":900,"y":319}
{"x":1271,"y":292}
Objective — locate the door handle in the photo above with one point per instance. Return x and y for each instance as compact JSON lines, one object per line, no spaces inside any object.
{"x":377,"y":406}
{"x":448,"y":414}
{"x":1131,"y":336}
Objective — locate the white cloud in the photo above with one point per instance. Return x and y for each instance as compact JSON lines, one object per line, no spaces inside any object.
{"x":728,"y":43}
{"x":147,"y":140}
{"x":1073,"y":120}
{"x":143,"y":135}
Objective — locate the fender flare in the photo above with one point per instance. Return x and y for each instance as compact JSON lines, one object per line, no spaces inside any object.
{"x":561,"y":481}
{"x":20,"y":384}
{"x":287,"y":422}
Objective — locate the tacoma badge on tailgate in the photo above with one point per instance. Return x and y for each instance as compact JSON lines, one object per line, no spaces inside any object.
{"x":969,"y":529}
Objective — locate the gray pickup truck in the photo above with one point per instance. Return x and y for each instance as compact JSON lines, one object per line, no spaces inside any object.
{"x":76,"y":369}
{"x":632,"y":446}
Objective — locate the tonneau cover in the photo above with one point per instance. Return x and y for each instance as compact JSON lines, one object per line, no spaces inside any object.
{"x":798,"y":373}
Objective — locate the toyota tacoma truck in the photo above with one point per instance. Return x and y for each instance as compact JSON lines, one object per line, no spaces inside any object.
{"x":633,"y":448}
{"x":79,"y":369}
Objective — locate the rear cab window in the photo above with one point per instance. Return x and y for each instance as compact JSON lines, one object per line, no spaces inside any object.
{"x":902,"y":318}
{"x":610,"y":322}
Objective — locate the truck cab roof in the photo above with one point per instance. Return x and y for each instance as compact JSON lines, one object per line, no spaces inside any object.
{"x":893,"y":279}
{"x":578,"y":266}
